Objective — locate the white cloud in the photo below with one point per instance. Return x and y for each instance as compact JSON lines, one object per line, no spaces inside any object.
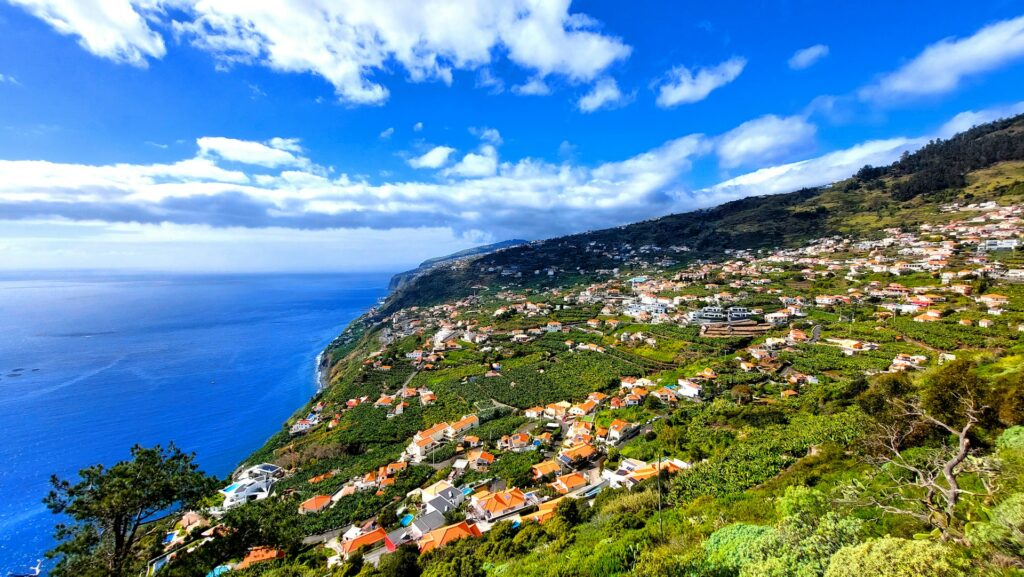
{"x":478,"y":196}
{"x":534,"y":87}
{"x":807,"y":57}
{"x":942,"y":66}
{"x":604,"y":94}
{"x":764,"y":139}
{"x":682,"y":86}
{"x":113,"y":29}
{"x":7,"y":78}
{"x":475,"y":165}
{"x":276,"y":152}
{"x":971,"y":118}
{"x":434,"y":158}
{"x":387,"y":132}
{"x":805,"y":173}
{"x":486,"y":134}
{"x":417,"y":127}
{"x":349,"y":43}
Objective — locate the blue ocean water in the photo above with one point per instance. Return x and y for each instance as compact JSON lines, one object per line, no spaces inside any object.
{"x":92,"y":364}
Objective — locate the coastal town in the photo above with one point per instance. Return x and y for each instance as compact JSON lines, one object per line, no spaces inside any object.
{"x":443,"y":422}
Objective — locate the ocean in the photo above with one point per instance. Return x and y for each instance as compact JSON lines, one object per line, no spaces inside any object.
{"x":92,"y":364}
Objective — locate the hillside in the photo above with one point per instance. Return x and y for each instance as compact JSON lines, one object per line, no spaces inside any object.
{"x":403,"y":278}
{"x":826,"y":383}
{"x":902,"y":194}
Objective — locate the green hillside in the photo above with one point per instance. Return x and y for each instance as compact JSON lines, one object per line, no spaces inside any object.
{"x":826,"y":383}
{"x":984,"y":163}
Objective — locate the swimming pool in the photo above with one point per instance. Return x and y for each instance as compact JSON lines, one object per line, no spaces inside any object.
{"x":407,"y":519}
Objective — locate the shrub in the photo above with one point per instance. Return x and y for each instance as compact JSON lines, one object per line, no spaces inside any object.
{"x":892,"y":557}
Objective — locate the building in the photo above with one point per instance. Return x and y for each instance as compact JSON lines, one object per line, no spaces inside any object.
{"x":490,"y":506}
{"x":441,"y":537}
{"x":569,"y":483}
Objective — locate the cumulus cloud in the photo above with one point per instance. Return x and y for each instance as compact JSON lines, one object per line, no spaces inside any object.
{"x":683,"y":86}
{"x":475,"y":165}
{"x":533,"y":87}
{"x":417,"y":127}
{"x":765,"y":139}
{"x":942,"y":66}
{"x":112,"y":29}
{"x":434,"y":158}
{"x":348,"y":43}
{"x":387,"y":132}
{"x":529,"y":197}
{"x":276,"y":152}
{"x":807,"y":57}
{"x":604,"y":94}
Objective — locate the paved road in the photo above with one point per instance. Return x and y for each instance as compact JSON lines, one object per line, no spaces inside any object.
{"x":815,"y":334}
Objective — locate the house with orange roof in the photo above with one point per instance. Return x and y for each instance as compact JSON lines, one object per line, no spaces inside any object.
{"x":423,"y":442}
{"x":577,"y":454}
{"x":670,"y":466}
{"x":583,"y":409}
{"x":461,"y":426}
{"x":480,"y":460}
{"x":372,"y":540}
{"x":517,"y":442}
{"x":544,"y":469}
{"x":568,"y":483}
{"x":534,"y":412}
{"x":490,"y":506}
{"x":557,"y":410}
{"x":315,"y":504}
{"x":258,"y":555}
{"x":618,"y":430}
{"x":545,"y":511}
{"x":928,"y":316}
{"x":707,"y":373}
{"x":321,"y":478}
{"x":597,"y":396}
{"x":665,"y":395}
{"x":445,"y":535}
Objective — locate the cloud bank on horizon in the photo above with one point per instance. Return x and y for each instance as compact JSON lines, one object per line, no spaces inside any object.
{"x":448,"y":192}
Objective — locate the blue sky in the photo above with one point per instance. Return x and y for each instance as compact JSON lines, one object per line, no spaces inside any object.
{"x":360,"y":135}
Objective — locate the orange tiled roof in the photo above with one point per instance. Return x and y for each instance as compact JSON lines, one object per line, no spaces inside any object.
{"x":567,"y":483}
{"x":546,"y":468}
{"x":369,"y":539}
{"x":444,"y":535}
{"x":316,"y":503}
{"x":498,"y":503}
{"x":259,"y":555}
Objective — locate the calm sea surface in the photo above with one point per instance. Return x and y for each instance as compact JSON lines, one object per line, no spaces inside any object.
{"x":92,"y":364}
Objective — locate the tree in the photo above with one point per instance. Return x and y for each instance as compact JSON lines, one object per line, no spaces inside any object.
{"x":742,"y":394}
{"x":570,"y":510}
{"x":270,"y":522}
{"x":108,"y":506}
{"x":925,"y":483}
{"x":404,"y":562}
{"x":352,"y":567}
{"x":892,"y":557}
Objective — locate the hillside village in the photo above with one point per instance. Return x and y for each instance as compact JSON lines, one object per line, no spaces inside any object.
{"x":443,"y":422}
